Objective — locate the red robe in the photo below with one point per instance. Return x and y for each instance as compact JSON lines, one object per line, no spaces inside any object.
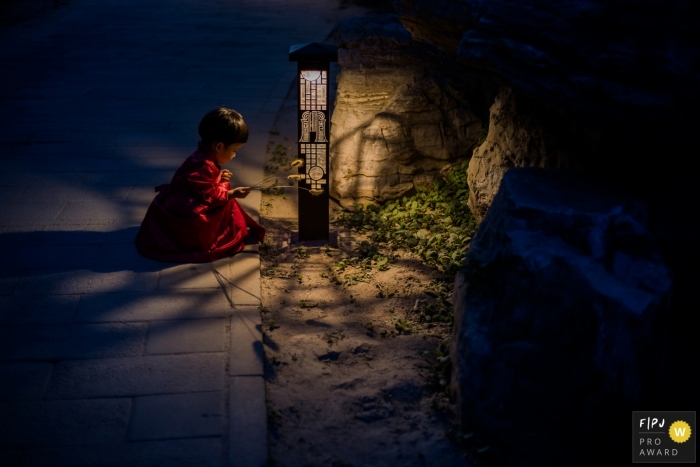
{"x":192,"y":220}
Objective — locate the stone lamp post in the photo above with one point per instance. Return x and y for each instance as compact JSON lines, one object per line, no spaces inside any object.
{"x":314,"y":117}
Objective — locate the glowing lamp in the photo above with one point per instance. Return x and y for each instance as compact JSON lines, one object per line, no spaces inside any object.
{"x":313,"y":117}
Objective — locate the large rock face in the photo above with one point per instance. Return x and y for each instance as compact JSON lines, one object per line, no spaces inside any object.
{"x":559,"y":316}
{"x":620,"y":76}
{"x":521,"y":134}
{"x":607,"y":58}
{"x":397,"y":123}
{"x":438,"y":22}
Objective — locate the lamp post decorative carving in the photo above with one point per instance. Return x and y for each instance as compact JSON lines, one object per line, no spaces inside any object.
{"x":314,"y":114}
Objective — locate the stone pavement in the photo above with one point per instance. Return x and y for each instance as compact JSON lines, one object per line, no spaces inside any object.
{"x":107,"y":358}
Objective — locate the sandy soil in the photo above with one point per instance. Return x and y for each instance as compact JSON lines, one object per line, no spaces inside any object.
{"x":352,"y":379}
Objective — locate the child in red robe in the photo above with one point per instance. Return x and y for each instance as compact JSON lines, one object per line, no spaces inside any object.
{"x":195,"y":218}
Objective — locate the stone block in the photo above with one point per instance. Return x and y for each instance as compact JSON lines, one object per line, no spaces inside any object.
{"x":55,"y":423}
{"x":186,"y":336}
{"x":152,"y":306}
{"x":247,"y":422}
{"x":38,"y":309}
{"x":246,"y":345}
{"x":127,"y":377}
{"x":83,"y":281}
{"x":203,"y":452}
{"x":72,"y":341}
{"x":559,"y":310}
{"x":177,"y":416}
{"x":24,"y":381}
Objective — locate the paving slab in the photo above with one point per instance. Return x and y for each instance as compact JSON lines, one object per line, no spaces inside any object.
{"x":46,"y":257}
{"x":112,"y":112}
{"x":247,"y":422}
{"x":246,"y":345}
{"x":8,"y":281}
{"x":185,"y":336}
{"x":244,"y":274}
{"x":203,"y":452}
{"x":190,"y":415}
{"x":124,"y":256}
{"x":10,"y":193}
{"x":13,"y":211}
{"x":195,"y":276}
{"x":126,"y":377}
{"x":39,"y":309}
{"x":55,"y":423}
{"x":76,"y":193}
{"x":151,"y":306}
{"x":24,"y":381}
{"x":102,"y":210}
{"x":72,"y":341}
{"x":84,"y":281}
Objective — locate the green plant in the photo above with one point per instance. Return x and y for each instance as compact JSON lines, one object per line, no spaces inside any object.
{"x":367,"y":249}
{"x":300,"y":252}
{"x":435,"y":223}
{"x":402,"y":326}
{"x":382,"y":262}
{"x":335,"y":336}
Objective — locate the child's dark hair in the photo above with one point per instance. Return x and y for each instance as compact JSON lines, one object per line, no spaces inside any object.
{"x":223,"y":125}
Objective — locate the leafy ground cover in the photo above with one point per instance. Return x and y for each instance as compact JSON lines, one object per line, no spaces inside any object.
{"x":435,"y":224}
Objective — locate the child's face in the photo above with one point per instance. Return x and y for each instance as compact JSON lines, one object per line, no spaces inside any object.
{"x":225,"y":153}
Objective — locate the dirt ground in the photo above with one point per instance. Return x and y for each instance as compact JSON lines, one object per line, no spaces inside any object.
{"x":352,"y":365}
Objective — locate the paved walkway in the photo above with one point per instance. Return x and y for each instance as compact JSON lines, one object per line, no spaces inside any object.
{"x":107,"y":358}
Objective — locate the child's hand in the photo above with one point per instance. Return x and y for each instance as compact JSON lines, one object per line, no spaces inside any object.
{"x":225,"y":175}
{"x":239,"y":192}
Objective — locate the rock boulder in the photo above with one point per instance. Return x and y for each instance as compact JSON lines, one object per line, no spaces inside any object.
{"x":398,"y":119}
{"x":560,"y":316}
{"x":523,"y":133}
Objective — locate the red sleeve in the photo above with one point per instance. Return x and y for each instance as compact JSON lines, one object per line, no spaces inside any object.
{"x":206,"y":183}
